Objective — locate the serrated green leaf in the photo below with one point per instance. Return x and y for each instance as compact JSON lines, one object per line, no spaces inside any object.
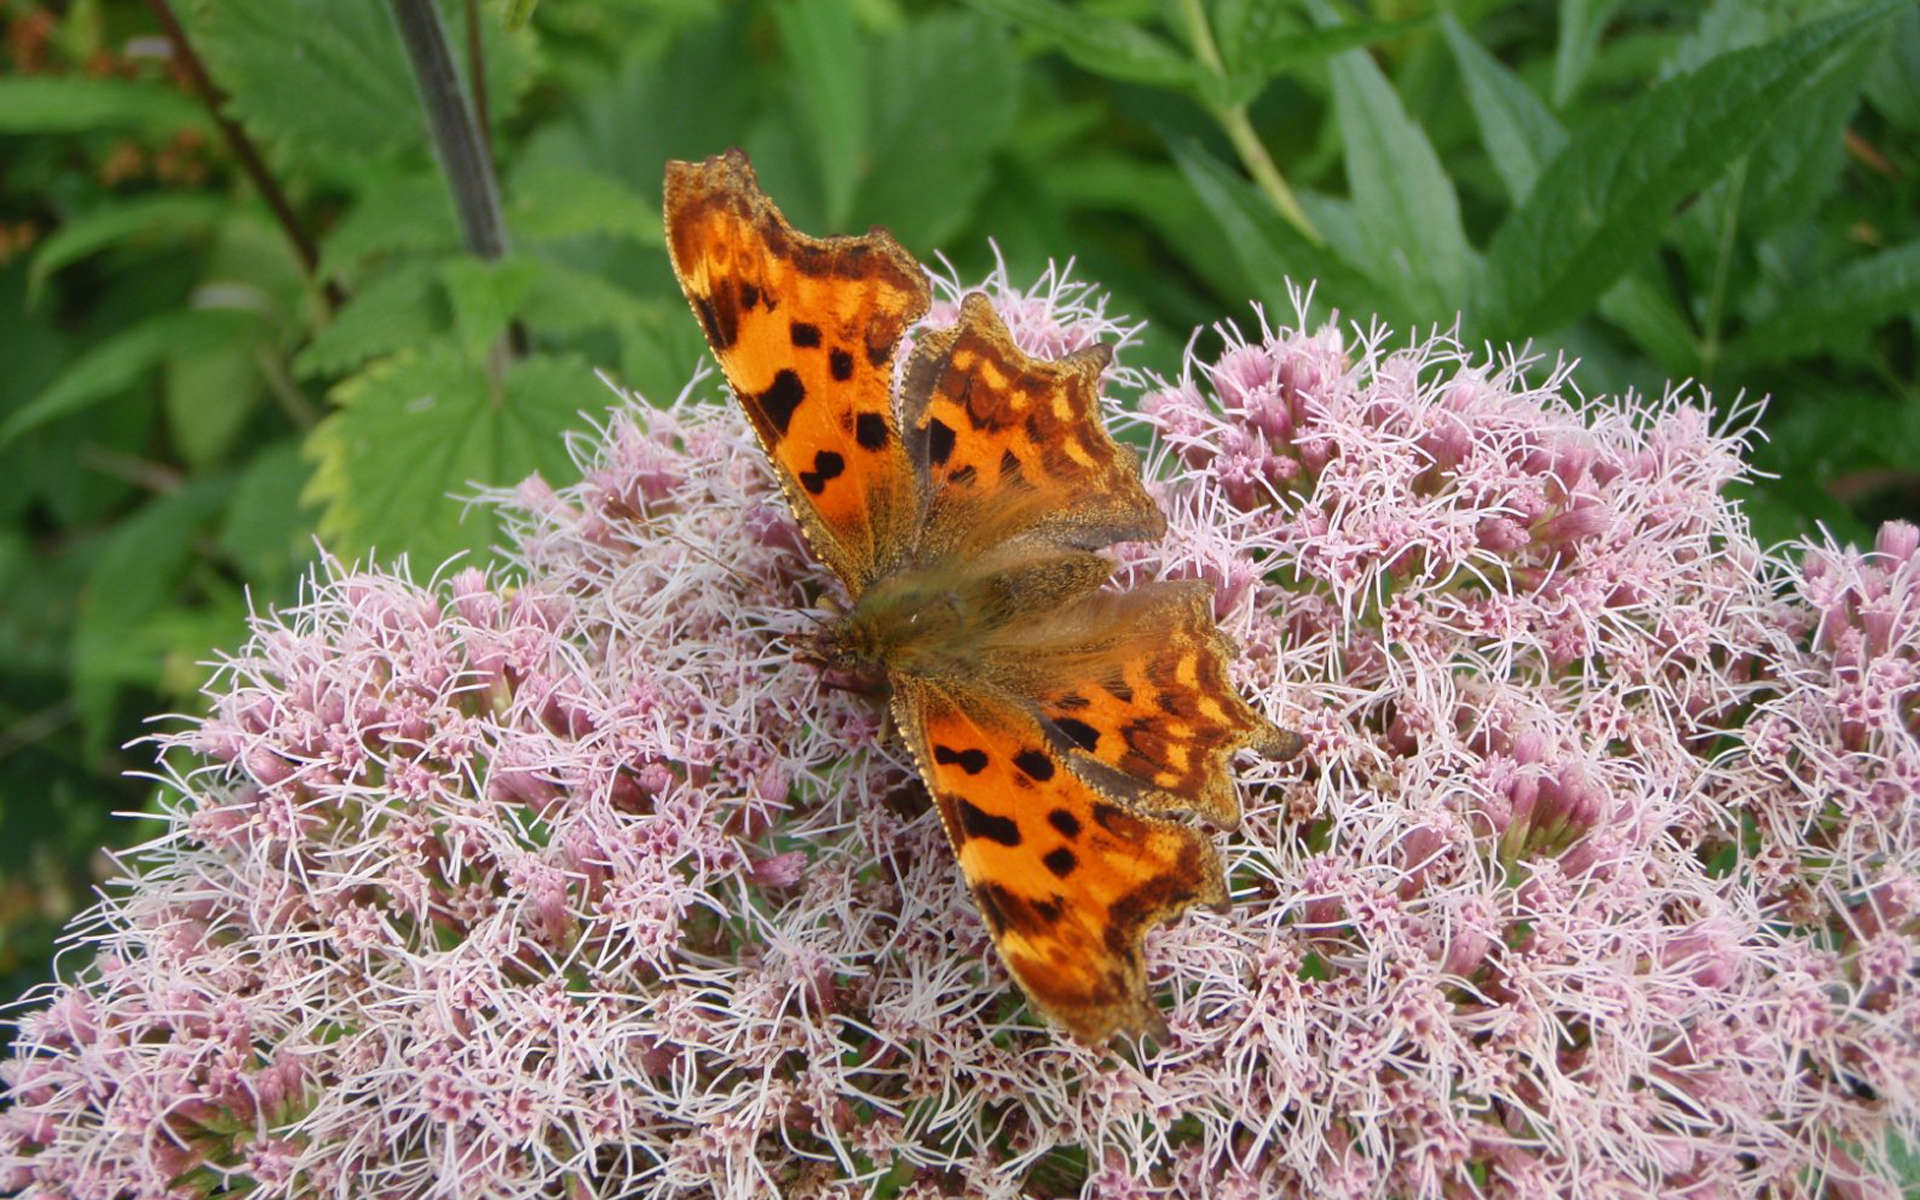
{"x":120,"y":361}
{"x":412,"y":212}
{"x":209,"y":393}
{"x":827,"y":62}
{"x":1272,"y":251}
{"x":1520,"y":134}
{"x":401,"y":308}
{"x":1837,"y":309}
{"x":1401,"y":194}
{"x":410,"y":437}
{"x":1602,"y":203}
{"x":148,"y":220}
{"x":1579,"y":30}
{"x":275,"y":57}
{"x":932,"y":162}
{"x":576,"y":201}
{"x":1103,"y":45}
{"x":562,"y":301}
{"x":485,"y":296}
{"x":75,"y":104}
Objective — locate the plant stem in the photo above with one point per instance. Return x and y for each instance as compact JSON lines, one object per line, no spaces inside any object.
{"x":1239,"y":130}
{"x":477,"y":78}
{"x":243,"y":149}
{"x":463,"y":156}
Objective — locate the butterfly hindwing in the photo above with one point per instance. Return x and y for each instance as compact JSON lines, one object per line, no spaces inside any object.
{"x":1137,"y":682}
{"x":1006,"y":445}
{"x":1067,"y":880}
{"x":806,"y":331}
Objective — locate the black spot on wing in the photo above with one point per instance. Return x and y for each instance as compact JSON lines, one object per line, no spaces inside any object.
{"x":1118,"y":821}
{"x":988,"y":897}
{"x":979,"y":823}
{"x":1003,"y":908}
{"x":870,"y":430}
{"x":841,"y":364}
{"x":1061,"y":861}
{"x":1009,"y":463}
{"x":803,"y":334}
{"x":826,"y":465}
{"x":1035,"y":763}
{"x":749,"y":295}
{"x":781,"y":399}
{"x":1065,"y":822}
{"x":722,"y":326}
{"x":1083,"y":735}
{"x":939,"y":442}
{"x":971,"y":761}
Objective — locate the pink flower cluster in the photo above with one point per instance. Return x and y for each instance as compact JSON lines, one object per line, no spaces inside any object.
{"x":1601,"y":875}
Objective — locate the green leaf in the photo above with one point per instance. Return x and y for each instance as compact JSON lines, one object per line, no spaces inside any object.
{"x":1520,"y":133}
{"x":562,"y":301}
{"x":1798,"y":163}
{"x":210,"y":392}
{"x":411,"y":212}
{"x":1261,"y":45}
{"x":931,"y":163}
{"x":1103,"y":45}
{"x":485,"y":297}
{"x":1601,"y":205}
{"x":1837,"y":309}
{"x":120,"y":361}
{"x":1645,"y":310}
{"x":410,"y":437}
{"x":829,"y":72}
{"x":119,"y":635}
{"x":265,"y":531}
{"x":75,"y":104}
{"x":401,"y":308}
{"x":336,"y":87}
{"x":1581,"y":24}
{"x":161,"y":219}
{"x":1893,"y":82}
{"x":1402,"y":196}
{"x":576,"y":201}
{"x":1269,"y":249}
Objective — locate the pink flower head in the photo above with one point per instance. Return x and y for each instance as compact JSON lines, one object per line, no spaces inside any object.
{"x":1600,"y":877}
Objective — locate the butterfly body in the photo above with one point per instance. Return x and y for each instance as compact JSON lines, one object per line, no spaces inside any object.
{"x":1062,"y":728}
{"x":954,"y":617}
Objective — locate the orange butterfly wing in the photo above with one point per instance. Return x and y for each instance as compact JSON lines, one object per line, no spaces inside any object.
{"x":1006,"y":445}
{"x":1067,"y":880}
{"x":1133,"y":685}
{"x":806,"y":331}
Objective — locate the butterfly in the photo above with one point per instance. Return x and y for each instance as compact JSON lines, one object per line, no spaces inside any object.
{"x":962,"y":495}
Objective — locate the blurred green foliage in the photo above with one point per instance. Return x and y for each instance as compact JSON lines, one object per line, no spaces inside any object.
{"x":1722,"y":192}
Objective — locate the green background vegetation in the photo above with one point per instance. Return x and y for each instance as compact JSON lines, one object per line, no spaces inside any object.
{"x":1728,"y":193}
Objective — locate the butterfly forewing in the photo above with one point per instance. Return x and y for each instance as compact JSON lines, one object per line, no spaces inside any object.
{"x":1006,"y":445}
{"x":806,"y":331}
